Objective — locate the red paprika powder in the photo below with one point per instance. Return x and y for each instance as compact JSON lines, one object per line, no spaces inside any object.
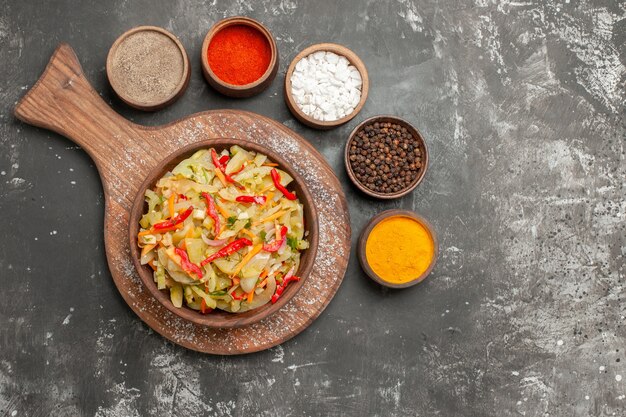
{"x":239,"y":54}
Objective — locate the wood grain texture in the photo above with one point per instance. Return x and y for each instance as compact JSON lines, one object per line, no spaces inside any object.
{"x":124,"y":153}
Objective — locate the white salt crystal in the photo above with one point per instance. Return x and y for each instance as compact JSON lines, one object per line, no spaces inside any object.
{"x":354,"y":101}
{"x":319,"y":55}
{"x":302,"y":65}
{"x":336,"y":82}
{"x":326,"y":86}
{"x":296,"y":82}
{"x":332,"y":58}
{"x":342,"y":74}
{"x":326,"y":107}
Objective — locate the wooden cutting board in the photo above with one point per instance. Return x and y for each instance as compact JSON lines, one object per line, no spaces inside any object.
{"x":124,"y":153}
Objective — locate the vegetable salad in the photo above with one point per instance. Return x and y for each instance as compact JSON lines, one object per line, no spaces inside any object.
{"x":223,"y":231}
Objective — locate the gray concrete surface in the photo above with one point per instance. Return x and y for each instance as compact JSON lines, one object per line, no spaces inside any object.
{"x":522,"y":104}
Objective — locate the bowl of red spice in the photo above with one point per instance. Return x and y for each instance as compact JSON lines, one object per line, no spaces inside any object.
{"x":239,"y":57}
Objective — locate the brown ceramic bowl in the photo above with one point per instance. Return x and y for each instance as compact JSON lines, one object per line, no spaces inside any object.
{"x":233,"y":90}
{"x":419,"y":142}
{"x":365,"y":235}
{"x":219,"y":318}
{"x":118,"y":85}
{"x":339,"y":50}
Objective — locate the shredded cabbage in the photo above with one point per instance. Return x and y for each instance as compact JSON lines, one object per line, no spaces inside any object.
{"x":246,"y":278}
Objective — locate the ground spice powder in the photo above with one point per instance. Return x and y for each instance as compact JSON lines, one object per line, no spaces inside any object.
{"x":399,"y":249}
{"x":147,"y":67}
{"x":239,"y":54}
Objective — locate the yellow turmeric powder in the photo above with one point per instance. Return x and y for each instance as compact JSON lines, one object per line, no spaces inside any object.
{"x":399,"y":249}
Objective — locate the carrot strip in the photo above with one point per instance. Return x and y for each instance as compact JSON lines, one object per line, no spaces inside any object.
{"x":268,"y":199}
{"x":272,"y":217}
{"x":270,"y":164}
{"x":170,"y":204}
{"x":146,"y":249}
{"x":249,"y":233}
{"x":222,"y":211}
{"x":145,"y":232}
{"x":220,"y":175}
{"x":247,"y":258}
{"x":250,"y":296}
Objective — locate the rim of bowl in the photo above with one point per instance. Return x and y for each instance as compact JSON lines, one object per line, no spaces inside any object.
{"x":223,"y":319}
{"x":339,"y":50}
{"x":377,"y":220}
{"x":387,"y":119}
{"x":180,"y":87}
{"x":231,"y":21}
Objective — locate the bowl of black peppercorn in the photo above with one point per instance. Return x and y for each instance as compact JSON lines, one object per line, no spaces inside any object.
{"x":386,"y":157}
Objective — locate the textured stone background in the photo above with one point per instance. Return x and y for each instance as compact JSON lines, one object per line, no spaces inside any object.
{"x":522,"y":104}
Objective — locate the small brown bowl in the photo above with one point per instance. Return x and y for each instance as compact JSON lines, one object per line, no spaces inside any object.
{"x":339,"y":50}
{"x":421,"y":143}
{"x":120,"y":86}
{"x":365,"y":235}
{"x":219,"y":318}
{"x":233,"y":90}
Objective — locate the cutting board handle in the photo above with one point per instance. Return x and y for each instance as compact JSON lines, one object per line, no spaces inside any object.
{"x":62,"y":100}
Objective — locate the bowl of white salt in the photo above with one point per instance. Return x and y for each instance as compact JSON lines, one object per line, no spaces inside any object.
{"x":326,"y":85}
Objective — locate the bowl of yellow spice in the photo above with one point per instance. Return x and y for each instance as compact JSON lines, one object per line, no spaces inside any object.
{"x":398,"y":248}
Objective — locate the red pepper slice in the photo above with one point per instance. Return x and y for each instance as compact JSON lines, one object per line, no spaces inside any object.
{"x":236,"y":297}
{"x":292,"y":278}
{"x":167,"y":229}
{"x":203,"y":307}
{"x":228,"y":249}
{"x":278,"y":242}
{"x":240,"y":169}
{"x":173,"y":222}
{"x":211,"y":210}
{"x":281,"y":287}
{"x":279,"y":186}
{"x":187,"y":265}
{"x":216,"y":160}
{"x":257,"y":199}
{"x":277,"y":294}
{"x":224,"y":159}
{"x":182,"y":197}
{"x":219,"y":165}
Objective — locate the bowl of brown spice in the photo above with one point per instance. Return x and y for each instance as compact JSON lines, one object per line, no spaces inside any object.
{"x":386,"y":157}
{"x":148,"y":68}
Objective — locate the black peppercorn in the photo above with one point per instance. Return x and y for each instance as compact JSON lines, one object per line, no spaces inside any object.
{"x":385,"y":157}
